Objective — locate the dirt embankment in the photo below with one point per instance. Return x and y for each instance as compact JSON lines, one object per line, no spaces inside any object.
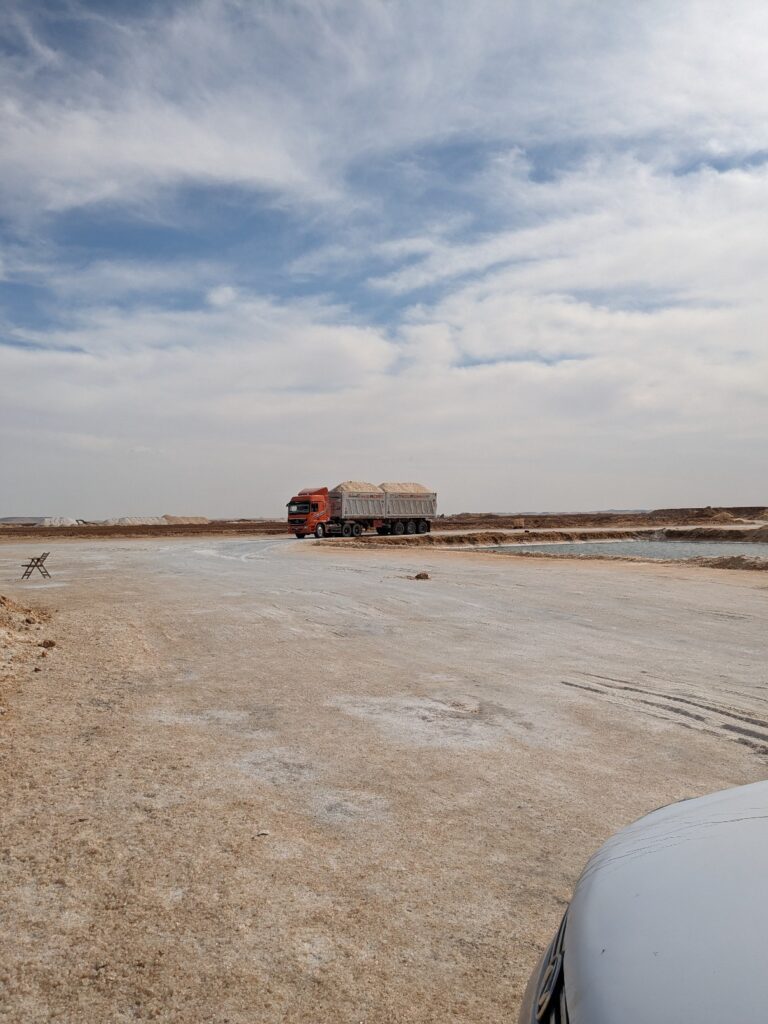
{"x":23,"y":644}
{"x":97,"y":531}
{"x":731,"y":562}
{"x":179,"y":526}
{"x":722,"y":562}
{"x":656,"y":517}
{"x":748,"y":513}
{"x":756,"y":536}
{"x":484,"y":539}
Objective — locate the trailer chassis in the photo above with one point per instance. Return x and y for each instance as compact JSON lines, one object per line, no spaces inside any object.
{"x":356,"y":527}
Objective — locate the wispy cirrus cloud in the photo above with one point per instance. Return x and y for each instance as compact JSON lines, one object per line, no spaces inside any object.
{"x":288,"y":97}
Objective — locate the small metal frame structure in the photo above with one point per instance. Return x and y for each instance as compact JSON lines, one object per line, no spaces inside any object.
{"x":36,"y":563}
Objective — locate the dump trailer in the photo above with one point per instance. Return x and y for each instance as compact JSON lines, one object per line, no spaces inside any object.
{"x":354,"y":506}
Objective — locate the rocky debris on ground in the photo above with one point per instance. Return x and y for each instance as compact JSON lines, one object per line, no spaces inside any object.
{"x":421,"y":576}
{"x":20,"y":629}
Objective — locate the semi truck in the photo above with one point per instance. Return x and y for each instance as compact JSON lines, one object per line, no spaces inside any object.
{"x":354,"y":506}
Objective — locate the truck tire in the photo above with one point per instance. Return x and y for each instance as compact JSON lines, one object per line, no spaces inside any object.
{"x":410,"y":527}
{"x":319,"y":531}
{"x":356,"y":529}
{"x":346,"y":530}
{"x":301,"y":536}
{"x":398,"y":528}
{"x":423,"y":526}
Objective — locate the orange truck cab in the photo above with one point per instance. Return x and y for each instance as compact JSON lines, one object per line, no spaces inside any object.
{"x":307,"y":509}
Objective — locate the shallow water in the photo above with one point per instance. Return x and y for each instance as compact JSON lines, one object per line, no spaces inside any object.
{"x":657,"y":549}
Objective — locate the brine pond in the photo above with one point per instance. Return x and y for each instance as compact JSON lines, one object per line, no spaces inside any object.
{"x":656,"y":549}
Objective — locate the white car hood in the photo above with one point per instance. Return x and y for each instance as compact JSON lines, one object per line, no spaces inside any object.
{"x":669,"y":921}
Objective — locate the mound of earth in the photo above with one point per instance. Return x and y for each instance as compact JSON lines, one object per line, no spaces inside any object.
{"x":731,"y":562}
{"x":705,"y":515}
{"x":21,"y":642}
{"x":485,"y":539}
{"x":135,"y":521}
{"x":758,"y":535}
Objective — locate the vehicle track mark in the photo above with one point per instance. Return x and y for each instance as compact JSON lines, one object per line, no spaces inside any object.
{"x":717,"y":709}
{"x":671,"y":707}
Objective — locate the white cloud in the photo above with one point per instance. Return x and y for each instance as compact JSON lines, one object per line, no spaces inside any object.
{"x":273,"y":394}
{"x":222,"y":295}
{"x":601,"y":342}
{"x":285,"y":97}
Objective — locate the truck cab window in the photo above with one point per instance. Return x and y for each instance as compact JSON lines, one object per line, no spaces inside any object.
{"x":315,"y":506}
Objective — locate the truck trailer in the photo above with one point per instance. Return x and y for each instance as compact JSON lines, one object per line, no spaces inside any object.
{"x":354,"y":506}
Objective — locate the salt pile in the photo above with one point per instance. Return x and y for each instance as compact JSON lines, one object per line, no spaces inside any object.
{"x":186,"y":520}
{"x":157,"y":521}
{"x":136,"y":521}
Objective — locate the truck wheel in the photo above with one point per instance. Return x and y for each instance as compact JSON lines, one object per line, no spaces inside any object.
{"x":319,"y":531}
{"x":357,"y":530}
{"x":398,"y":528}
{"x":410,"y":526}
{"x":423,"y":526}
{"x":346,"y":530}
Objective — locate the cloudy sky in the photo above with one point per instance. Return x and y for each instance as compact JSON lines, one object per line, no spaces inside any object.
{"x":515,"y":249}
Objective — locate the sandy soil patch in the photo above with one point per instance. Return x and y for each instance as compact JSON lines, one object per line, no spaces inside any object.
{"x":262,"y":781}
{"x":24,"y":645}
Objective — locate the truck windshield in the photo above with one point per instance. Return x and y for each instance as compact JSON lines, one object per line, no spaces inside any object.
{"x":298,"y":506}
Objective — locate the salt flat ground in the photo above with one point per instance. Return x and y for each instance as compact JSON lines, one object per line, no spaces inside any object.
{"x":270,"y":780}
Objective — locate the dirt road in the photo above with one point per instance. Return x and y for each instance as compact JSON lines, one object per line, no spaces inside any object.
{"x":266,"y":781}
